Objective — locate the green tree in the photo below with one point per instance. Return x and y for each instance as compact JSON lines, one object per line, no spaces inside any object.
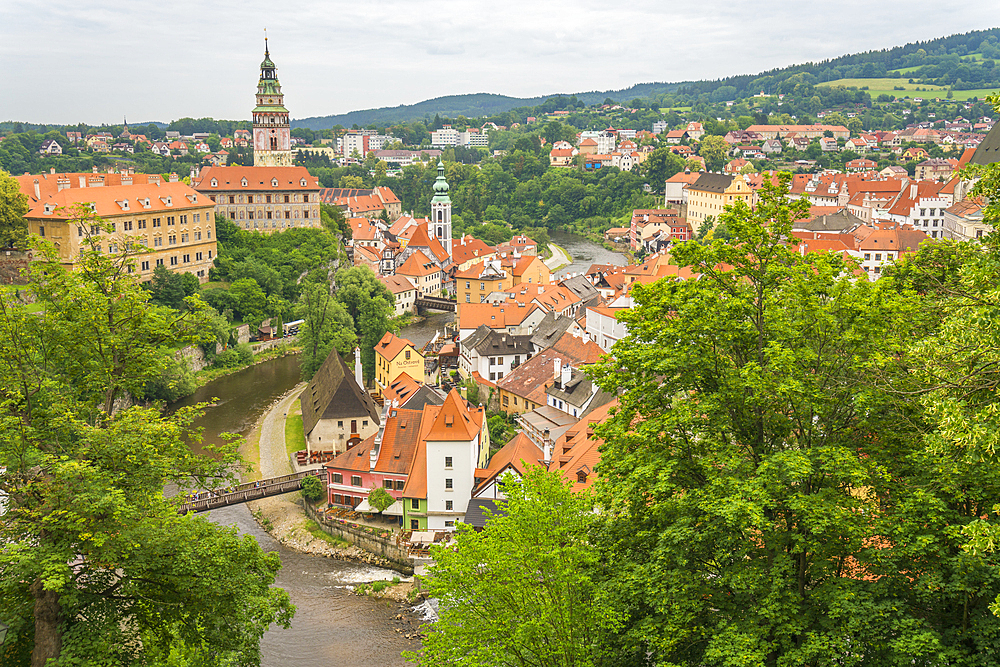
{"x":765,"y":496}
{"x":522,"y":591}
{"x":350,"y":181}
{"x":312,"y":488}
{"x":250,"y":299}
{"x":327,"y":326}
{"x":660,"y":165}
{"x":714,"y":149}
{"x":370,"y":306}
{"x":380,"y":499}
{"x":13,"y":208}
{"x":166,"y":288}
{"x":96,"y":565}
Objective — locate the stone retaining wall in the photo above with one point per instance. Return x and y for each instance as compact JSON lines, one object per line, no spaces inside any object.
{"x":384,"y":547}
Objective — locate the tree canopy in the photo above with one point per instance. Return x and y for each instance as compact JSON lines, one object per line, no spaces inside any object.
{"x":96,"y":565}
{"x":521,"y":592}
{"x":772,"y":494}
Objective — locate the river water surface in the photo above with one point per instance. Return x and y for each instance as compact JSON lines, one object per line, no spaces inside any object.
{"x":584,"y":252}
{"x":332,"y":626}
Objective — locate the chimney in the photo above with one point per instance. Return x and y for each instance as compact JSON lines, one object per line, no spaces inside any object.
{"x":913,"y":191}
{"x":95,"y":170}
{"x":373,"y":457}
{"x":38,"y":192}
{"x":567,"y":373}
{"x":83,"y":181}
{"x":557,"y":369}
{"x":358,"y":376}
{"x":546,"y":448}
{"x":52,"y":170}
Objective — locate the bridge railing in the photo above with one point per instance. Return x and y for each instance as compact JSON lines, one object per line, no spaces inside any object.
{"x":272,"y":486}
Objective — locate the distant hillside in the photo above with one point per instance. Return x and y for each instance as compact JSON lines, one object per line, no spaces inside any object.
{"x":472,"y":105}
{"x":959,"y":62}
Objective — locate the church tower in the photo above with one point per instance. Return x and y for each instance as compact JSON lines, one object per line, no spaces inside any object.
{"x":440,"y":227}
{"x":272,"y":140}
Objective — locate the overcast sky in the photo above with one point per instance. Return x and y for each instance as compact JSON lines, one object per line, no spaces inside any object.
{"x":69,"y":61}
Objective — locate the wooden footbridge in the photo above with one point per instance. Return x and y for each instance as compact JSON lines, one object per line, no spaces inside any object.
{"x":274,"y":486}
{"x":436,"y":303}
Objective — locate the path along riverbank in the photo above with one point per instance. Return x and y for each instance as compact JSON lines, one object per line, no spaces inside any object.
{"x":559,"y":259}
{"x":283,"y":517}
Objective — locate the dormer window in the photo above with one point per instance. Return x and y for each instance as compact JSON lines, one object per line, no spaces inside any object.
{"x":244,"y":182}
{"x":302,"y":182}
{"x":274,"y":182}
{"x":215,"y":183}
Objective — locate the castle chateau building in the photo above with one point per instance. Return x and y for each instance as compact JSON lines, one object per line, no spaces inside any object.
{"x":272,"y":139}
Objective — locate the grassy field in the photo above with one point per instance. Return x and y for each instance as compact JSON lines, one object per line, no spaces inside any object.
{"x":877,"y":87}
{"x":295,"y":439}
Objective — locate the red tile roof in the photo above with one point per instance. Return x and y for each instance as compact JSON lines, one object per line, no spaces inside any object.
{"x":391,"y":345}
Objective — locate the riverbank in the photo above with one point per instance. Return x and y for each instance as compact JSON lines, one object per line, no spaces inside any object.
{"x":207,"y":375}
{"x":283,"y":517}
{"x":559,"y":259}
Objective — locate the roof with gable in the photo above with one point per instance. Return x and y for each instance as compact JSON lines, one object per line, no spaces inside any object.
{"x":838,"y":221}
{"x":455,"y":421}
{"x":578,"y":450}
{"x":258,"y":178}
{"x":401,"y":389}
{"x":397,"y":284}
{"x":391,"y":345}
{"x":581,"y":287}
{"x":474,"y":315}
{"x":467,"y":248}
{"x":418,"y":264}
{"x":551,"y":296}
{"x":710,"y":182}
{"x":334,"y":393}
{"x":419,"y":238}
{"x":424,"y":395}
{"x":550,"y":329}
{"x":517,"y":454}
{"x":110,"y":198}
{"x":490,"y":342}
{"x":684,"y":177}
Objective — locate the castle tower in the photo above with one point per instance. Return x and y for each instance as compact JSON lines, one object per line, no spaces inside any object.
{"x":272,"y":140}
{"x":440,"y":227}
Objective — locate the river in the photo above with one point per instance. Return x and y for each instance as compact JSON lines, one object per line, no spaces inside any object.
{"x":584,"y":252}
{"x":331,"y":624}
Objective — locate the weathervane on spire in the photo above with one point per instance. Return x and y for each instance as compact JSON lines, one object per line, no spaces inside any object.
{"x":265,"y":42}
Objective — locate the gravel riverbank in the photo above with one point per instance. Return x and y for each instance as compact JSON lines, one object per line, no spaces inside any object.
{"x":283,"y":516}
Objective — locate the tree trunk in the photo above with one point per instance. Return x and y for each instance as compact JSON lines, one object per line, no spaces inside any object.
{"x":48,"y":636}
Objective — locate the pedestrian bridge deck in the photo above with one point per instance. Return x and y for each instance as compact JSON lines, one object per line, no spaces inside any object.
{"x":204,"y":501}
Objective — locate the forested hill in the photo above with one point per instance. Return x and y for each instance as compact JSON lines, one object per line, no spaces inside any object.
{"x":958,"y":62}
{"x":473,"y":105}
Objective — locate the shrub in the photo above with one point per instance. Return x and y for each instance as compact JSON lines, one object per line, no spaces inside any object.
{"x":312,"y":488}
{"x":380,"y":499}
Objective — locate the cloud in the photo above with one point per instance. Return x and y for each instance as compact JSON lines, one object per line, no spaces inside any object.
{"x":97,"y":60}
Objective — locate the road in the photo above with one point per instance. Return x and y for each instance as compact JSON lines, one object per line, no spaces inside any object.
{"x":559,"y":258}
